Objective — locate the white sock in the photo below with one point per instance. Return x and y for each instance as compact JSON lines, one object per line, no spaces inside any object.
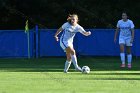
{"x":122,"y":55}
{"x":129,"y":58}
{"x":67,"y":65}
{"x":74,"y":60}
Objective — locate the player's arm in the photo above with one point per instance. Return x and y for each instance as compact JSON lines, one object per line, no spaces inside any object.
{"x":116,"y":33}
{"x":57,"y":33}
{"x":86,"y":33}
{"x":82,"y":31}
{"x":133,"y":34}
{"x":132,"y":31}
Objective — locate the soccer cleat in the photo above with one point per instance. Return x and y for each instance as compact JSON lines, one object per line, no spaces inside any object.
{"x":123,"y":65}
{"x":129,"y":66}
{"x":78,"y":69}
{"x":66,"y":72}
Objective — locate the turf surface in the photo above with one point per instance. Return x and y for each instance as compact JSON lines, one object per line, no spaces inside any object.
{"x":46,"y":75}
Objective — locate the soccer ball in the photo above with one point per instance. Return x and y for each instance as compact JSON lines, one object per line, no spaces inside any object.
{"x":85,"y":69}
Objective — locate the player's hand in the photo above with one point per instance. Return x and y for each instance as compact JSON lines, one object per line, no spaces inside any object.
{"x":89,"y":33}
{"x":56,"y":38}
{"x":86,"y":33}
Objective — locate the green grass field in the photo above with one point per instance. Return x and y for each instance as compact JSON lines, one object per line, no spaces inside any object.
{"x":46,"y":75}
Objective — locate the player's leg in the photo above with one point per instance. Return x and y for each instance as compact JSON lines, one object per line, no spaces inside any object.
{"x":129,"y":56}
{"x":128,"y":50}
{"x":68,"y":55}
{"x":68,"y":61}
{"x":122,"y":53}
{"x":74,"y":58}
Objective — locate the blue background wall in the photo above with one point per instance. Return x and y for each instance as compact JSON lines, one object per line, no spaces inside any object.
{"x":13,"y":43}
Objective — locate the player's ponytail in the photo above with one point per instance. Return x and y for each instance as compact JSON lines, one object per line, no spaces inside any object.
{"x":69,"y":18}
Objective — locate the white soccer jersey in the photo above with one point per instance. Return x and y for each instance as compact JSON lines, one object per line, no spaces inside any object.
{"x":69,"y":32}
{"x":125,"y":28}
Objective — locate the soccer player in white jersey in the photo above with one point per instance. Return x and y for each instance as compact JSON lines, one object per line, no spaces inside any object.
{"x":126,"y":37}
{"x":70,"y":28}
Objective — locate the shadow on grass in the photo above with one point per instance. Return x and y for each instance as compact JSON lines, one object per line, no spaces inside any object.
{"x":57,"y":65}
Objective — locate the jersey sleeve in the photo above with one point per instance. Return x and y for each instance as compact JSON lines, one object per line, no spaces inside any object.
{"x":132,"y":24}
{"x":64,"y":25}
{"x":118,"y":24}
{"x":81,"y":29}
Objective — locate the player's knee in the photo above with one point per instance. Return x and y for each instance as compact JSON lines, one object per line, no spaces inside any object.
{"x":69,"y":58}
{"x":128,"y":52}
{"x":73,"y":52}
{"x":121,"y":49}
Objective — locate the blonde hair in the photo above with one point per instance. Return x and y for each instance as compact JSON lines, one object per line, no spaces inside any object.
{"x":72,"y":15}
